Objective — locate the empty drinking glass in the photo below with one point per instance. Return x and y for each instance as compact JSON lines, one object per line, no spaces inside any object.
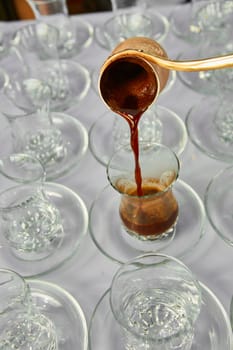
{"x":36,"y":46}
{"x":212,"y":16}
{"x":73,"y":37}
{"x":56,"y":139}
{"x":131,"y":18}
{"x":202,"y":19}
{"x":156,"y":301}
{"x":30,"y":223}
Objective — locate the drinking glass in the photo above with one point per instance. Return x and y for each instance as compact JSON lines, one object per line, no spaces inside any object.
{"x":211,"y":15}
{"x":37,"y":134}
{"x":214,"y":113}
{"x":156,"y":301}
{"x":130,"y":18}
{"x":30,"y":223}
{"x":219,"y":203}
{"x":22,"y":326}
{"x":201,"y":19}
{"x":36,"y":46}
{"x":57,"y":140}
{"x":73,"y":37}
{"x":151,"y":215}
{"x":223,"y":120}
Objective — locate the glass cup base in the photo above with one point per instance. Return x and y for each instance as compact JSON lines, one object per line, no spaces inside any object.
{"x":163,"y":126}
{"x":74,"y":218}
{"x":57,"y":304}
{"x":147,"y":243}
{"x":107,"y":232}
{"x":37,"y":255}
{"x":203,"y":132}
{"x":206,"y":325}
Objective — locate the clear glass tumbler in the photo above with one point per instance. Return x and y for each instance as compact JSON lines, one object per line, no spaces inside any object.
{"x":74,"y":33}
{"x":156,"y":301}
{"x":212,"y":18}
{"x":36,"y":51}
{"x":30,"y":223}
{"x":152,"y":215}
{"x":22,"y":326}
{"x":57,"y":12}
{"x":129,"y":19}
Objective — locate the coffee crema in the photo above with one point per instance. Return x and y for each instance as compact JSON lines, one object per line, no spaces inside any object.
{"x":153,"y":213}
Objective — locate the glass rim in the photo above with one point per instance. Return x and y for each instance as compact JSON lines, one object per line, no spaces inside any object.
{"x":128,"y":15}
{"x":36,"y":23}
{"x":133,"y":262}
{"x":156,"y":194}
{"x":25,"y":286}
{"x":39,"y":178}
{"x":208,"y":193}
{"x":13,"y":207}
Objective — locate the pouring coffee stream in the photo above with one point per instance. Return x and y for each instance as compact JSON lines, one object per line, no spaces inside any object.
{"x":133,"y":76}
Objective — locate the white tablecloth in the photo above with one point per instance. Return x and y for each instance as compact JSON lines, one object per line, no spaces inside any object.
{"x":89,"y":273}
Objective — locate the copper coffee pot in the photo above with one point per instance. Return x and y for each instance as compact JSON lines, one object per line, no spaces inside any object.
{"x":138,"y":70}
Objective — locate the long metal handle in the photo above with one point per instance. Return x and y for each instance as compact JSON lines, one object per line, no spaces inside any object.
{"x":218,"y":62}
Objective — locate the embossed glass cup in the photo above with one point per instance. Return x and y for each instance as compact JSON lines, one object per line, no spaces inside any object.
{"x":56,"y":11}
{"x":212,"y":15}
{"x":30,"y":223}
{"x":36,"y":134}
{"x":36,"y":45}
{"x":156,"y":301}
{"x":56,"y":139}
{"x":73,"y":37}
{"x":129,"y":19}
{"x":152,"y":215}
{"x":22,"y":326}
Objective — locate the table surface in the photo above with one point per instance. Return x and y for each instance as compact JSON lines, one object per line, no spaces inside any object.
{"x":88,"y":274}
